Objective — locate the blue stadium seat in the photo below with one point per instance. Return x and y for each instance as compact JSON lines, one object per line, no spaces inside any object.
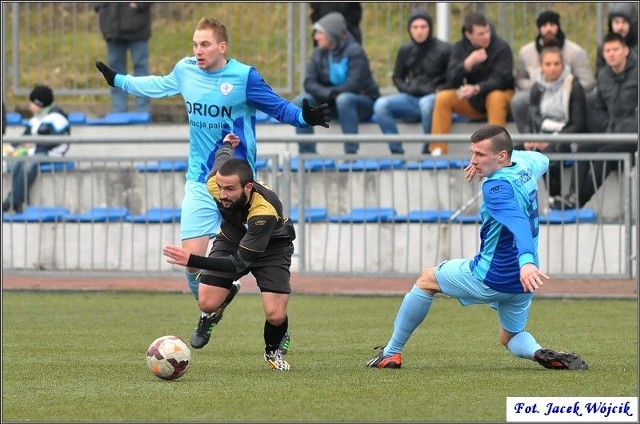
{"x":468,"y":219}
{"x":568,"y":216}
{"x":77,"y":118}
{"x":163,"y":166}
{"x":311,"y":165}
{"x":37,"y":214}
{"x":56,"y":166}
{"x":157,"y":215}
{"x":98,"y":214}
{"x":311,"y":214}
{"x":262,"y":164}
{"x":121,"y":118}
{"x":371,"y":165}
{"x":437,"y":164}
{"x":425,"y":215}
{"x":369,"y":214}
{"x":14,"y":118}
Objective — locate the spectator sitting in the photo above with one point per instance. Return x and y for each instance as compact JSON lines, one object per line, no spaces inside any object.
{"x":48,"y":119}
{"x":338,"y":74}
{"x":616,"y":103}
{"x":623,"y":19}
{"x":479,"y":80}
{"x":556,"y":105}
{"x":528,"y":64}
{"x":420,"y":68}
{"x":351,"y":11}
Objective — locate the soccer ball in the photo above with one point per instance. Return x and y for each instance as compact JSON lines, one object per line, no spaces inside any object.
{"x":168,"y":357}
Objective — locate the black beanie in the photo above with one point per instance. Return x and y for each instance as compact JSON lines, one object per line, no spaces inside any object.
{"x":41,"y":95}
{"x":548,"y":16}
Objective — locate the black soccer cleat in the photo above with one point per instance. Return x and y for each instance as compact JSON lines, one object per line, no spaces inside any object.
{"x":200,"y":337}
{"x":559,"y":360}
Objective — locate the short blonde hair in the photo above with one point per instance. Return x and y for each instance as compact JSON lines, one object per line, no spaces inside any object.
{"x":219,"y":30}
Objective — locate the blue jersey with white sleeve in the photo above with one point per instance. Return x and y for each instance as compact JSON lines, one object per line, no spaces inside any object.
{"x":217,"y":103}
{"x":510,"y":223}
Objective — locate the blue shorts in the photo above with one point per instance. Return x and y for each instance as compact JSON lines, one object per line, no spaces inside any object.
{"x":456,"y":280}
{"x":200,"y":215}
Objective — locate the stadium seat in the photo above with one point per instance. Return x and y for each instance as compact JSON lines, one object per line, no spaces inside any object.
{"x":311,"y":165}
{"x":371,"y":165}
{"x":424,"y":215}
{"x":163,"y":166}
{"x":56,"y":166}
{"x":77,"y":118}
{"x":262,"y":164}
{"x":437,"y":164}
{"x":14,"y":118}
{"x":468,"y":219}
{"x":37,"y":214}
{"x":98,"y":214}
{"x":121,"y":118}
{"x":157,"y":215}
{"x":361,"y":215}
{"x":568,"y":216}
{"x":311,"y":214}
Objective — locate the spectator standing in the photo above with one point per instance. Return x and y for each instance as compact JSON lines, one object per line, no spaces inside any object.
{"x":505,"y":273}
{"x":48,"y":119}
{"x":351,"y":11}
{"x":338,"y":74}
{"x":420,"y":69}
{"x":623,"y":20}
{"x":528,"y":64}
{"x":221,"y":97}
{"x":479,"y":80}
{"x":557,"y":104}
{"x":126,"y":27}
{"x":616,"y":104}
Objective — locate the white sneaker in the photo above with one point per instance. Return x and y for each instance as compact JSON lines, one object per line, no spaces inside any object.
{"x":276,"y":361}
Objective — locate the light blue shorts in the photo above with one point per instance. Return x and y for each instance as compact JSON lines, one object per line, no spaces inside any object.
{"x":200,"y":215}
{"x":456,"y":280}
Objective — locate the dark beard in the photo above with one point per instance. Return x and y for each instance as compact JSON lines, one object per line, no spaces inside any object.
{"x":240,"y":203}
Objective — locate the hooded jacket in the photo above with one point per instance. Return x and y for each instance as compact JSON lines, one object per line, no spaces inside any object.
{"x":352,"y":12}
{"x":628,"y":11}
{"x":119,"y":21}
{"x":342,"y":68}
{"x":574,"y":56}
{"x":52,"y":120}
{"x":616,"y":101}
{"x":421,"y":68}
{"x":495,"y":73}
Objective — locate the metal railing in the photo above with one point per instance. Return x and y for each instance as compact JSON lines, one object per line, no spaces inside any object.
{"x":603,"y":247}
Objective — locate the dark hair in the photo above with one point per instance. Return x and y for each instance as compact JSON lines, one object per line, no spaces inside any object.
{"x":239,"y":167}
{"x":474,"y":19}
{"x":500,"y":138}
{"x":551,"y":48}
{"x":614,"y":36}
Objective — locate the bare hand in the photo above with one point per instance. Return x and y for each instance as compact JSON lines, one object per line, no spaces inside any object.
{"x":233,"y":139}
{"x":466,"y":91}
{"x":176,"y":254}
{"x":531,"y":277}
{"x":470,"y":173}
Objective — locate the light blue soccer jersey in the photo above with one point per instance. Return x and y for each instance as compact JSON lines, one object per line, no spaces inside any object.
{"x":510,"y":224}
{"x":217,"y":103}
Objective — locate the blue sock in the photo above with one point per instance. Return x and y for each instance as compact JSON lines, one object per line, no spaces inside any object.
{"x":523,"y":345}
{"x":412,"y":312}
{"x":193,"y":281}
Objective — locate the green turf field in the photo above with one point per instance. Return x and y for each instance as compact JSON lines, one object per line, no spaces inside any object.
{"x":81,"y":357}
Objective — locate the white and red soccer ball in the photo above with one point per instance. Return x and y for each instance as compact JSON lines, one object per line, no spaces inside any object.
{"x":168,"y":357}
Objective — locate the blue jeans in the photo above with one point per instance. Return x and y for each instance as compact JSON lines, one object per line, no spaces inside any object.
{"x":350,"y":109}
{"x":117,"y":57}
{"x":24,"y":175}
{"x":406,"y":107}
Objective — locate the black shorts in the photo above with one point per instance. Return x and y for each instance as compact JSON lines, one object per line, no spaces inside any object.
{"x":271,"y":270}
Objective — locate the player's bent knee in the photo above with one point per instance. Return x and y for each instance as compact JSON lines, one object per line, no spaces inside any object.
{"x":427,"y":280}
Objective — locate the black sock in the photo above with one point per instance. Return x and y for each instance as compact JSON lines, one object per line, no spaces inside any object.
{"x":273,"y":335}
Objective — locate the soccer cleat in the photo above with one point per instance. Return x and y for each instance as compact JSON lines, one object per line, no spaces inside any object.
{"x":381,"y":361}
{"x":276,"y":361}
{"x":200,"y":337}
{"x":284,"y":343}
{"x":559,"y":360}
